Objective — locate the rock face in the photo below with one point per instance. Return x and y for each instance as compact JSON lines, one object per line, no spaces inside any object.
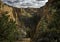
{"x":5,"y":8}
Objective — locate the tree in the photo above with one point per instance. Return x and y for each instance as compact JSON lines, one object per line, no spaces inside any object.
{"x":49,"y":32}
{"x":7,"y":28}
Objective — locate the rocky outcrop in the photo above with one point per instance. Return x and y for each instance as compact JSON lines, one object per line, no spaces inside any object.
{"x":4,"y":8}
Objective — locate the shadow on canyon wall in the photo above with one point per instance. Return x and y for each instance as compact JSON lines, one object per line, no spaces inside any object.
{"x":30,"y":22}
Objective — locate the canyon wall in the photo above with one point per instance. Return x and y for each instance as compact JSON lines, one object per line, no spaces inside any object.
{"x":23,"y":17}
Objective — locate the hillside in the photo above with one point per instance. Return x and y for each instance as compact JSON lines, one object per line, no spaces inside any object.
{"x":36,"y":24}
{"x":25,"y":18}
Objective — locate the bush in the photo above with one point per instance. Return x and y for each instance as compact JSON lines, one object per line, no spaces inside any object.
{"x":7,"y":27}
{"x":50,"y":32}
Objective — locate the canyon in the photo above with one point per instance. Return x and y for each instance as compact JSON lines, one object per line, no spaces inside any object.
{"x":24,"y":16}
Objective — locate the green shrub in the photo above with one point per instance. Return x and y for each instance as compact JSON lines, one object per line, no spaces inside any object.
{"x":7,"y":28}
